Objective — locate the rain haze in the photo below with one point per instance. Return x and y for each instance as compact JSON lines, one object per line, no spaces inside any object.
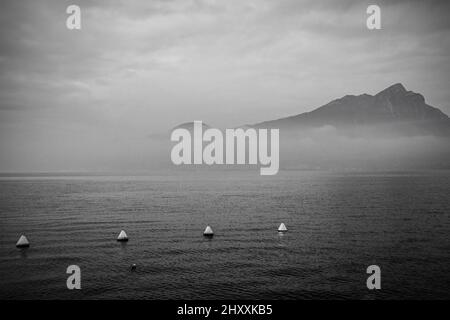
{"x":94,"y":99}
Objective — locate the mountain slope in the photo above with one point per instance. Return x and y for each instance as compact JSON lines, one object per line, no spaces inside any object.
{"x":391,"y":111}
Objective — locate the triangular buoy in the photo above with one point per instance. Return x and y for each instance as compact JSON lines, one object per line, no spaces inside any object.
{"x":282,"y":228}
{"x":23,"y":242}
{"x":208,"y":232}
{"x":122,"y":236}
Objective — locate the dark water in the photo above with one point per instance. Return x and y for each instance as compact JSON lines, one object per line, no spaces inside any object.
{"x":338,"y":225}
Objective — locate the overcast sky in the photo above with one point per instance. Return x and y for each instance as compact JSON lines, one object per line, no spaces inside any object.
{"x":80,"y":100}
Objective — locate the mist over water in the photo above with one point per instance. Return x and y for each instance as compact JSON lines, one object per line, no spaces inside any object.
{"x":325,"y":148}
{"x":339,"y":223}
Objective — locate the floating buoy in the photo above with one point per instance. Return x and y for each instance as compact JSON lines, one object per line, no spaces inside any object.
{"x":208,"y":232}
{"x":282,"y":228}
{"x":122,"y":236}
{"x":133,"y":267}
{"x":23,"y":242}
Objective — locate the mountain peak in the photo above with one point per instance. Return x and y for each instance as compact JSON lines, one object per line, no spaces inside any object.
{"x":397,"y":88}
{"x":392,"y":107}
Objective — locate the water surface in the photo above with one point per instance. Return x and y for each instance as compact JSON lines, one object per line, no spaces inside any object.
{"x":339,"y":223}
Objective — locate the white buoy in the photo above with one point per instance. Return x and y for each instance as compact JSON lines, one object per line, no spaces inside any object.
{"x":208,"y":232}
{"x":122,"y":236}
{"x":282,"y":228}
{"x":23,"y":242}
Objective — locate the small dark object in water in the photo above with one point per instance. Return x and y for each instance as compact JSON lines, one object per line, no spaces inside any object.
{"x":133,"y":267}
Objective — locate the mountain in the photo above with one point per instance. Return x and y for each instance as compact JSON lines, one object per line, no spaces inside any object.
{"x":190,"y":126}
{"x":394,"y":110}
{"x":394,"y":129}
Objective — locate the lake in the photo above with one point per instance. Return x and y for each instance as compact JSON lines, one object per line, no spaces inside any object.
{"x":339,"y":223}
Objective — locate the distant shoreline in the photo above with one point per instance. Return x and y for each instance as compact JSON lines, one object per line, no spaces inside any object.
{"x":59,"y":174}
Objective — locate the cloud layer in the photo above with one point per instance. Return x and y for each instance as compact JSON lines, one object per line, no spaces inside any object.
{"x":89,"y":99}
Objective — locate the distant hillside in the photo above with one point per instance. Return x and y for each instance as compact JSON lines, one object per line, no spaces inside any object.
{"x":190,"y":126}
{"x":392,"y":130}
{"x":392,"y":111}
